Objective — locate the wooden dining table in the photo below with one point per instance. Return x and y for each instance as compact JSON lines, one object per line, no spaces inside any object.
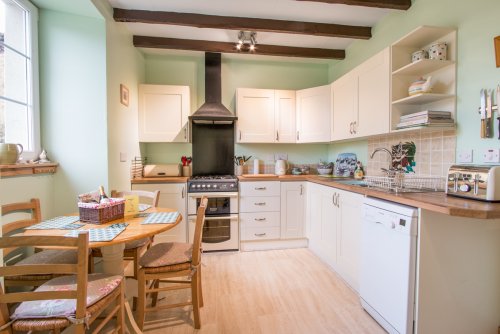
{"x":112,"y":251}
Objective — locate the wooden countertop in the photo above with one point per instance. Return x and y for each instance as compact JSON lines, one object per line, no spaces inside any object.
{"x":432,"y":201}
{"x":166,"y":179}
{"x":28,"y":169}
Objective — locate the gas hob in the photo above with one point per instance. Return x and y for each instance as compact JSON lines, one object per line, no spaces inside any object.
{"x":213,"y":183}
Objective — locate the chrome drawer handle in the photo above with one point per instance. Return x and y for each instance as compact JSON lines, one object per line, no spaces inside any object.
{"x":259,"y":234}
{"x":260,"y":188}
{"x":260,"y":219}
{"x":261,"y":203}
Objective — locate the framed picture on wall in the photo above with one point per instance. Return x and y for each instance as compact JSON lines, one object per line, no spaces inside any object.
{"x":497,"y":50}
{"x":124,"y":95}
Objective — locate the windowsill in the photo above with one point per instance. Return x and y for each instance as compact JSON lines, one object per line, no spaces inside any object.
{"x":28,"y":169}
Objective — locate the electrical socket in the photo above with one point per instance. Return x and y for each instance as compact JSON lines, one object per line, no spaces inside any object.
{"x":123,"y":157}
{"x":280,"y":156}
{"x":465,"y":156}
{"x":491,"y":155}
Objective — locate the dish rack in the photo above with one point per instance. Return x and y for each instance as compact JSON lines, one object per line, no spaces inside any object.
{"x":407,"y":183}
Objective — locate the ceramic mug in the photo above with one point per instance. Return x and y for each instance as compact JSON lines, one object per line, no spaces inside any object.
{"x":438,"y":51}
{"x":9,"y":153}
{"x":419,"y":55}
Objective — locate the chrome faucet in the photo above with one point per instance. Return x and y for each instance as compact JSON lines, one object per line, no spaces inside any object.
{"x":380,"y":149}
{"x":390,"y":169}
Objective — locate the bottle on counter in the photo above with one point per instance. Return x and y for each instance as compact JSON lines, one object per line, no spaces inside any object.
{"x":103,"y":198}
{"x":358,"y":172}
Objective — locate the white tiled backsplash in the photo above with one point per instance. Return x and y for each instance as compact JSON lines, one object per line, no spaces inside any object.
{"x":435,"y":151}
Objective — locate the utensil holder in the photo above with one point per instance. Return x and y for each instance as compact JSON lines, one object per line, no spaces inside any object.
{"x":186,"y":171}
{"x":238,"y":170}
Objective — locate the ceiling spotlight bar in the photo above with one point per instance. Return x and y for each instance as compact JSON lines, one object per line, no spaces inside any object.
{"x":246,"y":41}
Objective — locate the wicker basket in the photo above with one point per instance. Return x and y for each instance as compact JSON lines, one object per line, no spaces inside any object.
{"x":101,"y":215}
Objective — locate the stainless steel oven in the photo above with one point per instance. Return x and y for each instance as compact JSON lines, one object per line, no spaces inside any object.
{"x":221,"y":228}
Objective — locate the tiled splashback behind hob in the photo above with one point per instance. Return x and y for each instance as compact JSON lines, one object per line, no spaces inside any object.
{"x":434,"y":155}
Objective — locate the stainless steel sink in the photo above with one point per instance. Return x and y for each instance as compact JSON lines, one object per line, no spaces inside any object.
{"x":359,"y":183}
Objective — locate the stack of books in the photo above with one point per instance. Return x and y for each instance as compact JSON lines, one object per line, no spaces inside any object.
{"x":426,"y":118}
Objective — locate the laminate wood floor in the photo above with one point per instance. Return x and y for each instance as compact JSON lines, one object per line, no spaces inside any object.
{"x":279,"y":291}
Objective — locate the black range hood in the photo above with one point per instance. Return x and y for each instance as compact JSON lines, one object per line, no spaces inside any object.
{"x":213,"y":111}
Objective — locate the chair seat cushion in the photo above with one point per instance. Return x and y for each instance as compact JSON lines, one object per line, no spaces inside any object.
{"x":49,"y":256}
{"x":98,"y":287}
{"x":167,"y":254}
{"x":137,"y":243}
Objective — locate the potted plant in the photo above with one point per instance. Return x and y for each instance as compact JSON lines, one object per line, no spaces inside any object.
{"x":239,"y":161}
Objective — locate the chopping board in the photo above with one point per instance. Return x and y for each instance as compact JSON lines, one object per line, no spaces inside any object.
{"x":258,"y":175}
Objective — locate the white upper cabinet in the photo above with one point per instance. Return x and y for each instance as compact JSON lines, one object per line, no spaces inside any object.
{"x":361,"y":101}
{"x":265,"y":116}
{"x":255,"y":111}
{"x":314,"y":114}
{"x":284,"y":115}
{"x":163,"y":113}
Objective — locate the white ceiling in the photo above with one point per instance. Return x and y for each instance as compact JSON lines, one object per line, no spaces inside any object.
{"x":269,"y":9}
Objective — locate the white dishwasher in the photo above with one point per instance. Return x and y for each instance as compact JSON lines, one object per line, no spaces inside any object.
{"x":388,"y":263}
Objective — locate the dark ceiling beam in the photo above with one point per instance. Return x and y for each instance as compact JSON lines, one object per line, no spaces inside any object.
{"x":391,"y":4}
{"x":241,"y":23}
{"x":225,"y":47}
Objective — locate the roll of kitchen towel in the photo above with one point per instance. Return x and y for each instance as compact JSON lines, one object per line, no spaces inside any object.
{"x":256,"y":166}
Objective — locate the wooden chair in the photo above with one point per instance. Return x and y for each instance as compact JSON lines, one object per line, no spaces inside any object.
{"x":75,"y":299}
{"x":32,"y":208}
{"x":164,"y":262}
{"x":133,"y":249}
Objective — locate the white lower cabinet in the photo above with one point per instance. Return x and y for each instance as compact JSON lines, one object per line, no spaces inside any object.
{"x":334,"y":229}
{"x":293,"y":213}
{"x":172,"y":195}
{"x":260,"y":210}
{"x":272,"y":215}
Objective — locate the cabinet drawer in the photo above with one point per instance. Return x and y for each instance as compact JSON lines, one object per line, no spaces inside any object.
{"x":260,"y":219}
{"x":259,"y":204}
{"x":261,"y":188}
{"x":259,"y":233}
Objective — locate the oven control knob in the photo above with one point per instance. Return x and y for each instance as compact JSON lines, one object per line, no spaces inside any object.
{"x":203,"y":186}
{"x":231,"y":185}
{"x":209,"y":186}
{"x":215,"y":186}
{"x":198,"y":186}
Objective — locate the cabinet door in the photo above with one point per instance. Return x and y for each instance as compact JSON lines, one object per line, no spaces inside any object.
{"x":344,"y":106}
{"x":293,"y":195}
{"x":314,"y":115}
{"x":172,"y":195}
{"x":255,"y":110}
{"x":349,"y":240}
{"x":163,"y":113}
{"x":313,"y":225}
{"x":373,"y":95}
{"x":284,"y":115}
{"x":329,"y":220}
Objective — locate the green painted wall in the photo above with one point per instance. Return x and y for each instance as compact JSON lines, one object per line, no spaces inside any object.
{"x":73,"y":103}
{"x":250,"y":72}
{"x":477,"y":23}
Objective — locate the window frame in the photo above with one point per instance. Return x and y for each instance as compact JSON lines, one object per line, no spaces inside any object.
{"x":33,"y":77}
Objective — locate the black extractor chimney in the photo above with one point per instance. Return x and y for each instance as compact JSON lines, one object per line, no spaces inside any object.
{"x":213,"y":111}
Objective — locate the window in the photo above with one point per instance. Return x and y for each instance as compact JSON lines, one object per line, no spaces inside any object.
{"x":19,"y":115}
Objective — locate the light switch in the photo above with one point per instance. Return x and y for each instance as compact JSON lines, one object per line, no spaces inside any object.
{"x":465,"y":156}
{"x":123,"y":156}
{"x":491,"y":155}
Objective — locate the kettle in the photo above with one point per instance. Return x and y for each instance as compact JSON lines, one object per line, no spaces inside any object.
{"x":9,"y":153}
{"x":280,"y":167}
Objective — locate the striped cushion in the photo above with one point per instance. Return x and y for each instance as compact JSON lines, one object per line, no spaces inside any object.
{"x":167,"y":254}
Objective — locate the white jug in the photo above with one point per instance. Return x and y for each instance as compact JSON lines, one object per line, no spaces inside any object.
{"x":280,"y":167}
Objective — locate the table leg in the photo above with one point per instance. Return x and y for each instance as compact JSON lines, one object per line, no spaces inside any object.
{"x":112,"y":263}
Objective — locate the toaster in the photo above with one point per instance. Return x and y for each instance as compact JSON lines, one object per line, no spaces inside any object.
{"x":162,"y":170}
{"x":473,"y":181}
